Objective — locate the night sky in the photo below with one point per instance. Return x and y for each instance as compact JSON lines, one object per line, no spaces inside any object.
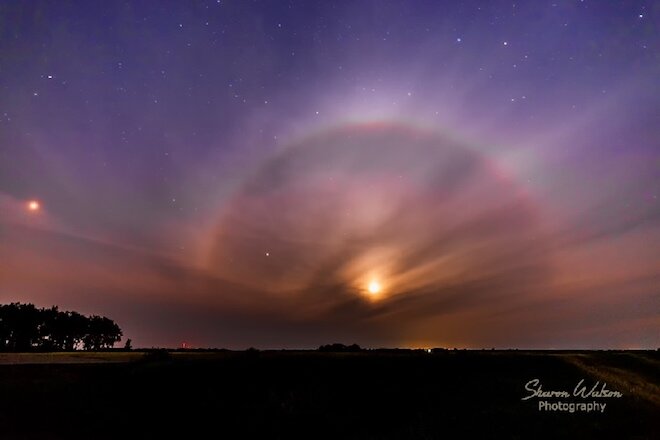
{"x":286,"y":174}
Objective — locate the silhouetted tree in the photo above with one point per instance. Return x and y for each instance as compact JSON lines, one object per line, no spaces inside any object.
{"x":48,"y":331}
{"x":5,"y":328}
{"x":22,"y":324}
{"x":128,"y":346}
{"x":76,"y":328}
{"x":340,"y":348}
{"x":24,"y":327}
{"x":101,"y":333}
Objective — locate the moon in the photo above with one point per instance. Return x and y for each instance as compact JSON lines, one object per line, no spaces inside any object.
{"x":436,"y":219}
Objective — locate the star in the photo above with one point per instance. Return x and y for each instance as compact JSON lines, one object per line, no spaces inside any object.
{"x":33,"y":206}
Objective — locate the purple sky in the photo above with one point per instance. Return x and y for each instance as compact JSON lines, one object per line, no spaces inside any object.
{"x":288,"y":174}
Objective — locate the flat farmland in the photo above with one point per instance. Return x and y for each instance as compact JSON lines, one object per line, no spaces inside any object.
{"x":307,"y":394}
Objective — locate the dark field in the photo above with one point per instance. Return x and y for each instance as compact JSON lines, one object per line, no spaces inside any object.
{"x":367,"y":395}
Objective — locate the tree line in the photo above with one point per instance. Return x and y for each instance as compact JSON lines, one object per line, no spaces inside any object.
{"x":24,"y":327}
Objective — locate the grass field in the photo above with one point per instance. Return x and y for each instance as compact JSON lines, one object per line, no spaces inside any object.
{"x":366,"y":395}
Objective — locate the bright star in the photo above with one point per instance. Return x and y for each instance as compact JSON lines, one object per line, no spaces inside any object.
{"x":33,"y":206}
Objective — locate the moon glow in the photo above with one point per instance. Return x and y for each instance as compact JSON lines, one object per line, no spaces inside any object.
{"x":433,"y":216}
{"x":374,"y":287}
